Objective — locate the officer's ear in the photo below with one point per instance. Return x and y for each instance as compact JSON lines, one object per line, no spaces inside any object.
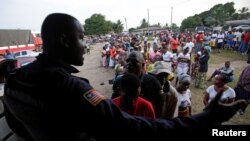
{"x":64,"y":41}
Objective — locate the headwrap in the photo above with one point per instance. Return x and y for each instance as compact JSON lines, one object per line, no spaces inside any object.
{"x":184,"y":77}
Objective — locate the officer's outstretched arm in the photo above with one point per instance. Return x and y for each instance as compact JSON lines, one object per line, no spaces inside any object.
{"x":108,"y":119}
{"x":219,"y":112}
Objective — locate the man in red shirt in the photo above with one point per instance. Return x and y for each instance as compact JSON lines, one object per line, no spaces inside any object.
{"x":174,"y":44}
{"x":129,"y":101}
{"x":198,"y":41}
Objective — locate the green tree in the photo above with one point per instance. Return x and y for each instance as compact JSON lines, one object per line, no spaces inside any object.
{"x":166,"y":25}
{"x":210,"y":21}
{"x":236,"y":16}
{"x":144,"y":23}
{"x":174,"y":27}
{"x":221,"y":13}
{"x":159,"y":24}
{"x":118,"y":26}
{"x":243,"y":10}
{"x":131,"y":29}
{"x":244,"y":13}
{"x":198,"y":20}
{"x":190,"y":22}
{"x":97,"y":24}
{"x":108,"y":27}
{"x":229,"y":9}
{"x":217,"y":15}
{"x":203,"y":16}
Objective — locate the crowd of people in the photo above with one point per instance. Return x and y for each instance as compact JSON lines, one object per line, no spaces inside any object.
{"x":45,"y":102}
{"x":182,"y":57}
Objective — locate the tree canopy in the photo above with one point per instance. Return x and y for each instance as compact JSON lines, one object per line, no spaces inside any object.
{"x":118,"y":26}
{"x":97,"y":24}
{"x":144,"y":23}
{"x":217,"y":15}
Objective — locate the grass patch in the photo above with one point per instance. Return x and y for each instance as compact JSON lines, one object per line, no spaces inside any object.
{"x":225,"y":55}
{"x":217,"y":60}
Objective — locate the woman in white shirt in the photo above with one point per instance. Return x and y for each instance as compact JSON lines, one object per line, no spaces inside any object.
{"x":184,"y":95}
{"x":183,"y":63}
{"x":167,"y":57}
{"x":220,"y":81}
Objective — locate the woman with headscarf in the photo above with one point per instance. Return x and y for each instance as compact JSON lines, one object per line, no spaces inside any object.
{"x":184,"y":95}
{"x":202,"y":72}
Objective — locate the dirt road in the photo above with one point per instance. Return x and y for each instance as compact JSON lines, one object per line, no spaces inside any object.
{"x":95,"y":73}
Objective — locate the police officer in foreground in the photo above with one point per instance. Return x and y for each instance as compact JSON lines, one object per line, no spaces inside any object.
{"x":44,"y":102}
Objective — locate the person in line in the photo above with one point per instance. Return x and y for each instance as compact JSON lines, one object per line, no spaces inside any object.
{"x":242,"y":88}
{"x":130,"y":101}
{"x":150,"y":86}
{"x":163,"y":74}
{"x":174,"y":44}
{"x":195,"y":65}
{"x":44,"y":101}
{"x":167,"y":57}
{"x":103,"y":55}
{"x":199,"y":39}
{"x":184,"y":96}
{"x":227,"y":70}
{"x":220,"y":82}
{"x":183,"y":65}
{"x":200,"y":80}
{"x":248,"y":53}
{"x":190,"y":46}
{"x":220,"y":39}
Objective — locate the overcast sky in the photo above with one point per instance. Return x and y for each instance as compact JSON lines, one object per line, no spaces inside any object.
{"x":29,"y":14}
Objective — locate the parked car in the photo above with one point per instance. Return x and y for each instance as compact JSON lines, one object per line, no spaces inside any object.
{"x":243,"y":27}
{"x":7,"y":65}
{"x":22,"y":61}
{"x":203,"y":29}
{"x":26,"y":53}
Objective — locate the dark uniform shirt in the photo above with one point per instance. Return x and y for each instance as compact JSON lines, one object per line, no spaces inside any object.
{"x":44,"y":102}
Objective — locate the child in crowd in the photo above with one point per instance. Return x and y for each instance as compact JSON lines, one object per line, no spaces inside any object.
{"x":195,"y":65}
{"x":129,"y":101}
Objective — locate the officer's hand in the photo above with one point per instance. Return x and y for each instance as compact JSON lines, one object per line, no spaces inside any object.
{"x":219,"y":112}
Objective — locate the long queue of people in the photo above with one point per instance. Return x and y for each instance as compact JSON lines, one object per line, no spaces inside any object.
{"x":157,"y":64}
{"x":37,"y":95}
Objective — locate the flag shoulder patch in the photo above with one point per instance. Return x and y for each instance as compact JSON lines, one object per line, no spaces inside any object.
{"x":93,"y":97}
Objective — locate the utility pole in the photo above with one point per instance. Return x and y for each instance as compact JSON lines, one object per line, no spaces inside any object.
{"x":148,"y":16}
{"x":125,"y":23}
{"x":171,"y":23}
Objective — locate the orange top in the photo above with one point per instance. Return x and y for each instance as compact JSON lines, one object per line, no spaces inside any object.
{"x":112,"y":52}
{"x":174,"y":43}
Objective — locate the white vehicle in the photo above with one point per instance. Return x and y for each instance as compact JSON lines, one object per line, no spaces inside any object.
{"x":243,"y":27}
{"x":26,"y":53}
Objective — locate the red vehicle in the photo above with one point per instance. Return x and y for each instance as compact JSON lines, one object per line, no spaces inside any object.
{"x":18,"y":40}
